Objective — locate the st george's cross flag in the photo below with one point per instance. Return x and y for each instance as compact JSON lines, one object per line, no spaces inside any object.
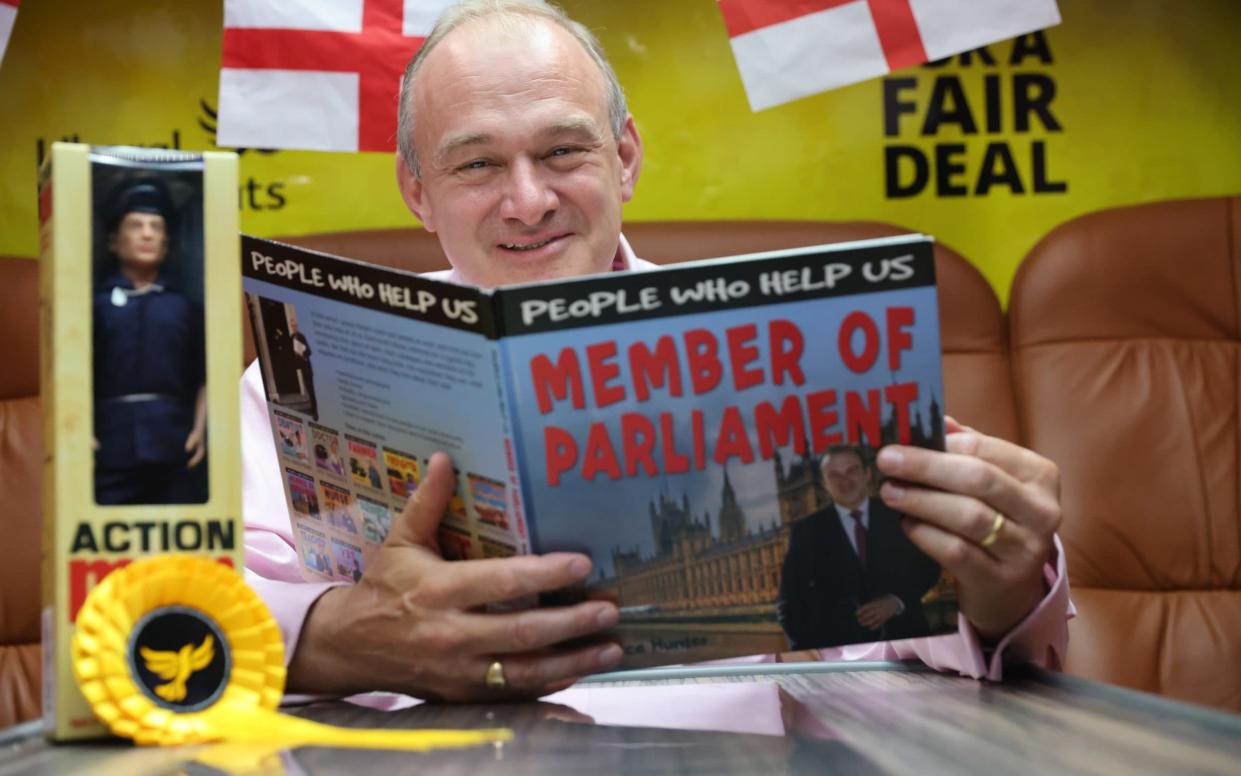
{"x":789,"y":49}
{"x":8,"y":15}
{"x":317,"y":74}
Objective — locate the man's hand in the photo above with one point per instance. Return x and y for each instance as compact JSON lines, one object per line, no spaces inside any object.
{"x":196,"y":446}
{"x":955,"y":497}
{"x":873,"y":614}
{"x":416,"y":623}
{"x":196,"y":440}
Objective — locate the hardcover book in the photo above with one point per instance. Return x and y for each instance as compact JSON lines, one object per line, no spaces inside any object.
{"x":139,"y":391}
{"x":705,"y":432}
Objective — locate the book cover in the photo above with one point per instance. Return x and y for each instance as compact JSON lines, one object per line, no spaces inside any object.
{"x":139,"y":379}
{"x":697,"y":430}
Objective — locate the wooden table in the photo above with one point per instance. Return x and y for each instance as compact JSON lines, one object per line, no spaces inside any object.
{"x":850,"y":718}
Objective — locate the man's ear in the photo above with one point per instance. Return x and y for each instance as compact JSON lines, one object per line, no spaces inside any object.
{"x":629,"y":149}
{"x":413,"y":193}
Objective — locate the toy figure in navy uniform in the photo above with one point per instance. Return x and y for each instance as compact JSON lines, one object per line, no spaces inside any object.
{"x":851,"y":574}
{"x":149,"y":362}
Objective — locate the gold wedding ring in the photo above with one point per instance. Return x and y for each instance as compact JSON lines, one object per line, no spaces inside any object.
{"x":994,"y":533}
{"x":495,"y":676}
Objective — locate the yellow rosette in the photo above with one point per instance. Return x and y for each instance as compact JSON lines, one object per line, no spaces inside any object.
{"x":178,"y":649}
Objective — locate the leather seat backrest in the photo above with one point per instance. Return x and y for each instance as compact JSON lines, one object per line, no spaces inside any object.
{"x":1126,"y":336}
{"x":21,"y":476}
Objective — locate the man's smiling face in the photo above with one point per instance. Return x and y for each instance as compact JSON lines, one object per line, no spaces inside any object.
{"x":521,"y":176}
{"x":846,"y":478}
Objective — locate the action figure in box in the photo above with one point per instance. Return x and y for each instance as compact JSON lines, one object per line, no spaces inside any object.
{"x":149,"y":363}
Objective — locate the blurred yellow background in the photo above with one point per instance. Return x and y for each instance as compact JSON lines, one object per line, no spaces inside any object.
{"x":1125,"y":102}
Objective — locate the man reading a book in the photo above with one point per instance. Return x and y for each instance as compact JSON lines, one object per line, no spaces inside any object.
{"x":518,"y":151}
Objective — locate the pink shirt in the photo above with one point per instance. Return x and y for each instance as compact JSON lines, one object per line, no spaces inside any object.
{"x":272,"y":565}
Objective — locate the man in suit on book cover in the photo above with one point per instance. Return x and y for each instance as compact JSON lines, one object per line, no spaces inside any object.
{"x":851,"y":574}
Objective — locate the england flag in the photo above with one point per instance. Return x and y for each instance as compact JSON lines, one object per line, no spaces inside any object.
{"x":317,"y":74}
{"x":8,"y":15}
{"x":789,"y":49}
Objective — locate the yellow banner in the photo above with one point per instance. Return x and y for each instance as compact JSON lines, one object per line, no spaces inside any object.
{"x":987,"y":152}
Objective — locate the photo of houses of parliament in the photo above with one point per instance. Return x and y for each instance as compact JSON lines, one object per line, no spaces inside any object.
{"x":733,"y":571}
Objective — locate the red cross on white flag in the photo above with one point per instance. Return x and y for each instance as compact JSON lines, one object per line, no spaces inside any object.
{"x":8,"y":15}
{"x":789,"y":49}
{"x":317,"y":74}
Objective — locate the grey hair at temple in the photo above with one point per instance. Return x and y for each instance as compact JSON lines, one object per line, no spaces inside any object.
{"x":510,"y":12}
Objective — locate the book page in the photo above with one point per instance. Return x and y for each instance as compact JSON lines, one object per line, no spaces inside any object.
{"x":363,"y":387}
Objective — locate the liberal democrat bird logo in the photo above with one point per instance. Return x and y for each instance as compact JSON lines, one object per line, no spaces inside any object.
{"x":177,"y":667}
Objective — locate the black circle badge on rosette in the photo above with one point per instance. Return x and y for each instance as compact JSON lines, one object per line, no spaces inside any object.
{"x":179,"y":658}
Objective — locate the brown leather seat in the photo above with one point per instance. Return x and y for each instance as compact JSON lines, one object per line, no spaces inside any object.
{"x":21,"y":475}
{"x":1126,"y":336}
